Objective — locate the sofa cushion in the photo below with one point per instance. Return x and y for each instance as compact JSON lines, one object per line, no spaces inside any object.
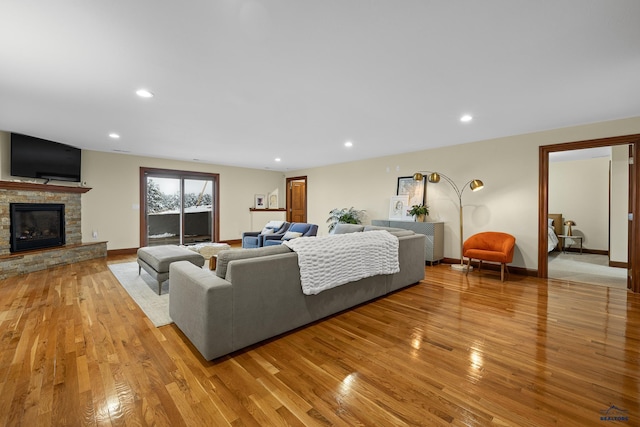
{"x":291,"y":235}
{"x":398,"y":232}
{"x":347,"y":228}
{"x":487,"y":255}
{"x":160,"y":257}
{"x":225,"y":257}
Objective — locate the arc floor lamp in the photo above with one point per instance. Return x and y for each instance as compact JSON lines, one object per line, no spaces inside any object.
{"x":474,"y":184}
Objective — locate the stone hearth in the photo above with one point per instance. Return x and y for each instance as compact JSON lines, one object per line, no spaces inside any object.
{"x":29,"y":261}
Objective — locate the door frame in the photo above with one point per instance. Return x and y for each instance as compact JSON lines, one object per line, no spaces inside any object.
{"x":173,"y":173}
{"x":634,"y":200}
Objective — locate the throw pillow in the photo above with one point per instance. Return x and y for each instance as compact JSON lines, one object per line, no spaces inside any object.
{"x":291,"y":235}
{"x":273,"y":226}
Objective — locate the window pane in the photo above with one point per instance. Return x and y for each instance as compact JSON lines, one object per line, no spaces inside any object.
{"x":198,"y":204}
{"x":163,"y":211}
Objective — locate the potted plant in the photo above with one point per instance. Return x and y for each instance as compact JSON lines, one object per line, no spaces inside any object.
{"x":419,"y":212}
{"x":344,"y":216}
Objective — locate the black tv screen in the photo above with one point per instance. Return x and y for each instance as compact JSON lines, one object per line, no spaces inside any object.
{"x":33,"y":157}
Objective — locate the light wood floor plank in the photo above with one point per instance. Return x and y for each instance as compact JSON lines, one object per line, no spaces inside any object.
{"x":454,"y":350}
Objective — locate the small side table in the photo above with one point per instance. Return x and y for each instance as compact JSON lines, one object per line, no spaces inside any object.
{"x":564,"y":237}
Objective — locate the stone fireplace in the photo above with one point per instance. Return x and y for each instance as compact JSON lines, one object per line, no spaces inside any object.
{"x":36,"y":226}
{"x":33,"y":259}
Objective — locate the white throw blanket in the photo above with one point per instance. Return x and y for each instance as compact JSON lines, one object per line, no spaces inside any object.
{"x":329,"y":261}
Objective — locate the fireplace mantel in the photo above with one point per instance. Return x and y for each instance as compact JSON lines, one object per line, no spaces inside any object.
{"x":30,"y":186}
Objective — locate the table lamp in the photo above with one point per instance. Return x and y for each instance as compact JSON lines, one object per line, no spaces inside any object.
{"x":569,"y":223}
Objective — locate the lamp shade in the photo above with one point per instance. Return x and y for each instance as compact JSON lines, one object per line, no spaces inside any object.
{"x":417,"y":176}
{"x":434,"y":178}
{"x":476,"y":185}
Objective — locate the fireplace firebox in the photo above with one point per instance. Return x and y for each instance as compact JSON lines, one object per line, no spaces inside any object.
{"x":36,"y":226}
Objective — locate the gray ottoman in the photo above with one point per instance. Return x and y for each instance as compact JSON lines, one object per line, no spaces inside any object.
{"x":155,"y":260}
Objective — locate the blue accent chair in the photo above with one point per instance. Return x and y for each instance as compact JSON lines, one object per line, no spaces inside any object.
{"x":255,"y":239}
{"x":295,"y":227}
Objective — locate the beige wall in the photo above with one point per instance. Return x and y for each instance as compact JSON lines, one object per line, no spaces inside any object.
{"x":112,"y":207}
{"x":619,"y":203}
{"x":260,"y":218}
{"x":508,"y":167}
{"x":5,"y":156}
{"x":579,"y":190}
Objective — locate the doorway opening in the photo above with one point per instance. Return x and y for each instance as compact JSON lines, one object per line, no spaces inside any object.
{"x":589,"y":202}
{"x":178,"y":207}
{"x":633,"y":236}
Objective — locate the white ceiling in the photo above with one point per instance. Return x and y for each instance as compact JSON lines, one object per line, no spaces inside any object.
{"x":241,"y":82}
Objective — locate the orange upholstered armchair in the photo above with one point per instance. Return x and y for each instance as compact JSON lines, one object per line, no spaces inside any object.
{"x":490,"y":246}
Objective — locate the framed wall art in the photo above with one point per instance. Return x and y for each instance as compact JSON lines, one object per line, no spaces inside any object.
{"x":273,"y":199}
{"x":260,"y":201}
{"x":398,"y":207}
{"x":415,"y":190}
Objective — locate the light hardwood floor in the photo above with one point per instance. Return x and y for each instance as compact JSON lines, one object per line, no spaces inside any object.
{"x":452,"y":350}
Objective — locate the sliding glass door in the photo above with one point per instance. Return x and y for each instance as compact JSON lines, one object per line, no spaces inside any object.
{"x":197,"y":202}
{"x":178,"y":207}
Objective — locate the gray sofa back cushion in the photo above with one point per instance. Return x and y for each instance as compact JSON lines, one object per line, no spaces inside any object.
{"x":224,"y":257}
{"x":398,"y":232}
{"x":347,"y":228}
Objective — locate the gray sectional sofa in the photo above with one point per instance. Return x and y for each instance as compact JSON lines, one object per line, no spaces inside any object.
{"x":256,"y":294}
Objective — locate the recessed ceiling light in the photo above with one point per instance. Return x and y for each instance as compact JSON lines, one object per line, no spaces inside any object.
{"x":144,"y":93}
{"x":277,"y":159}
{"x":348,"y":144}
{"x":466,"y":118}
{"x":114,"y":135}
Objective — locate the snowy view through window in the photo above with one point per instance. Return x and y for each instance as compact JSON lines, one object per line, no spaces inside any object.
{"x":164,"y":208}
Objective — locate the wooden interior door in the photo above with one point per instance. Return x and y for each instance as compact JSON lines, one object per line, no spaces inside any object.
{"x":297,"y":199}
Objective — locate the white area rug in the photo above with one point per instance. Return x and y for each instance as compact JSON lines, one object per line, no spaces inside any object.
{"x":144,"y":291}
{"x":586,"y":268}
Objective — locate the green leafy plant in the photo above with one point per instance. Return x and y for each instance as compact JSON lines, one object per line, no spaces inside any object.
{"x":417,"y":210}
{"x":345,"y":216}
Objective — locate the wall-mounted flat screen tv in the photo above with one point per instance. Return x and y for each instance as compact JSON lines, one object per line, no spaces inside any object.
{"x":33,"y":157}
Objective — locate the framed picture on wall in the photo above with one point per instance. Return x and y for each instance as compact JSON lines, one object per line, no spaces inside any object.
{"x":273,"y":200}
{"x":260,"y":201}
{"x":415,"y":190}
